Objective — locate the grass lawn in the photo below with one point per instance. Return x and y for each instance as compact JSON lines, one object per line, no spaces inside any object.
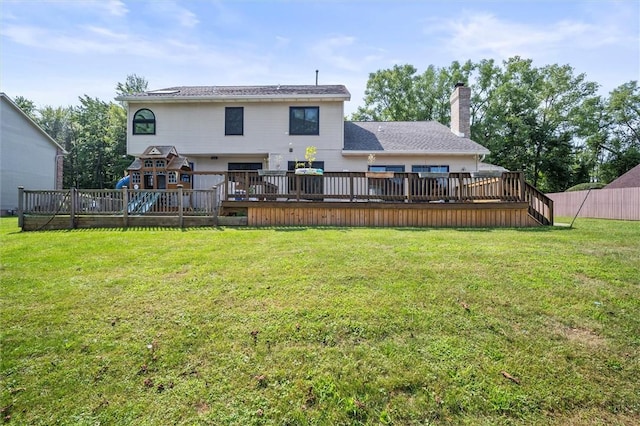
{"x":321,"y":326}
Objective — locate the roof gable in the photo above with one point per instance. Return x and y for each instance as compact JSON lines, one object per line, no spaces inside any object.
{"x":8,"y":101}
{"x":631,"y":179}
{"x":407,"y":137}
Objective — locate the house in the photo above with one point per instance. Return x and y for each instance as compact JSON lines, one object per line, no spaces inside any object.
{"x":630,"y":179}
{"x":211,"y":155}
{"x":28,"y":156}
{"x":223,"y":128}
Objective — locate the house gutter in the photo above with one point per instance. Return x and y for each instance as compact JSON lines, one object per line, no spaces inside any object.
{"x":239,"y":98}
{"x":387,"y":153}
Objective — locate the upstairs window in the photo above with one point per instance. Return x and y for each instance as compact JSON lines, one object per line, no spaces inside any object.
{"x":304,"y":120}
{"x":234,"y":121}
{"x":144,"y":122}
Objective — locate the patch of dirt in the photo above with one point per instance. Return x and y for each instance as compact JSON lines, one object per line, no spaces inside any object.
{"x":584,"y":336}
{"x":202,"y":407}
{"x":580,"y":335}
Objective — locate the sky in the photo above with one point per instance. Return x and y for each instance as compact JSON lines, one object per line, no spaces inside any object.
{"x":52,"y":52}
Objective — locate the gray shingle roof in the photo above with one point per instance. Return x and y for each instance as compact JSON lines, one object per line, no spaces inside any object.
{"x":398,"y":136}
{"x":230,"y":92}
{"x":631,"y":179}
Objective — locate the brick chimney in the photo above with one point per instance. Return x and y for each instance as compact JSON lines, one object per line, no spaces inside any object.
{"x":59,"y":169}
{"x":461,"y":110}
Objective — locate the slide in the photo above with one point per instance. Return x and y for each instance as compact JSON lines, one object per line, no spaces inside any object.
{"x":123,"y":182}
{"x":142,"y":202}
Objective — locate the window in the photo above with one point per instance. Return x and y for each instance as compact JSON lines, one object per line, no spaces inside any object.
{"x":244,"y":166}
{"x":148,"y":164}
{"x":234,"y":121}
{"x":135,"y":177}
{"x":304,"y":120}
{"x":173,"y":177}
{"x":430,"y":169}
{"x":144,"y":122}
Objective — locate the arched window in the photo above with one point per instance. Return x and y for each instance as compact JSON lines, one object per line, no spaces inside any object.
{"x":144,"y":122}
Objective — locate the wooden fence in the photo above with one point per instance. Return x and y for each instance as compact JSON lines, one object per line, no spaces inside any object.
{"x":618,"y":203}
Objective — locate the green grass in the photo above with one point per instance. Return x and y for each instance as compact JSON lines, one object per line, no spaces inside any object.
{"x":321,"y":326}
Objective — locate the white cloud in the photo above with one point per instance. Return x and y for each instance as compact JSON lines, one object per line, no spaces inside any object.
{"x":334,"y":51}
{"x":484,"y":35}
{"x":116,"y":7}
{"x":105,"y":32}
{"x":282,"y":41}
{"x":171,"y":11}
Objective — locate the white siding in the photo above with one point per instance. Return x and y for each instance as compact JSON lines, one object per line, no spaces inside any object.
{"x":198,"y":128}
{"x":27,"y":157}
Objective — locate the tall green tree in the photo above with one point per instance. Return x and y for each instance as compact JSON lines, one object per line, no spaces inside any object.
{"x":401,"y":94}
{"x":529,"y":117}
{"x":133,"y":84}
{"x":27,"y":106}
{"x":622,"y":148}
{"x":100,"y":143}
{"x":391,"y":95}
{"x":59,"y":123}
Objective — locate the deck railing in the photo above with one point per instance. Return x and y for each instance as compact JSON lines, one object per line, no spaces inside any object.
{"x":373,"y":186}
{"x":387,"y":186}
{"x":288,"y":186}
{"x":76,"y":202}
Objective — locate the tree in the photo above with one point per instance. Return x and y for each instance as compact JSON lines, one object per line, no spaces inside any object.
{"x":26,"y":105}
{"x":100,"y":143}
{"x":390,"y":95}
{"x":400,"y":94}
{"x":531,"y":119}
{"x":59,"y":123}
{"x":133,"y":84}
{"x":623,"y":144}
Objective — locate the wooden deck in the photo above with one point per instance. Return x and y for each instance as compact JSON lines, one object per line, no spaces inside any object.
{"x":375,"y":214}
{"x":334,"y":199}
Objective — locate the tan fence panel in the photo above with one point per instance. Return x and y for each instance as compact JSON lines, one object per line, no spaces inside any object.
{"x":618,"y":203}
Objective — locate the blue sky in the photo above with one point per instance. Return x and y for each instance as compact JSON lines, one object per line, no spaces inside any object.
{"x":54,"y":51}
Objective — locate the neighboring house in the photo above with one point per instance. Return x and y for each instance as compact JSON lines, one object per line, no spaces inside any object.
{"x":254,"y":127}
{"x":631,"y":179}
{"x":28,"y":156}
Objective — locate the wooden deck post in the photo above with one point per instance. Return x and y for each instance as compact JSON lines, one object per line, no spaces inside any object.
{"x":73,"y":207}
{"x":180,"y":207}
{"x":125,"y":207}
{"x":214,"y":205}
{"x":20,"y":206}
{"x":351,"y":183}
